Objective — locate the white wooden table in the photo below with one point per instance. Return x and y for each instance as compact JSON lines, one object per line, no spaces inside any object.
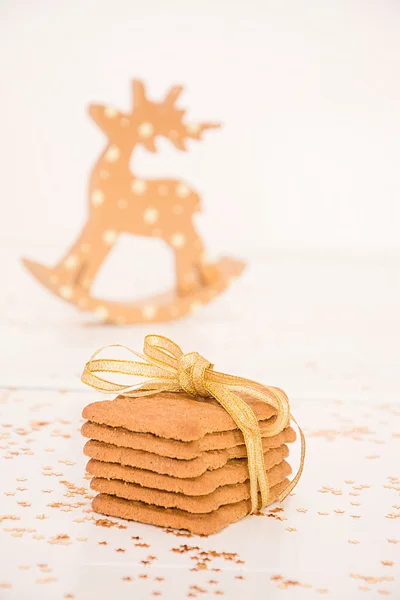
{"x":326,"y":331}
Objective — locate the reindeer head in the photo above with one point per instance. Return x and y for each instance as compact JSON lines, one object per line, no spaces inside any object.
{"x":148,"y":120}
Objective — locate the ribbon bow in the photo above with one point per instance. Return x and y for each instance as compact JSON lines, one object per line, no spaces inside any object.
{"x":169,"y":369}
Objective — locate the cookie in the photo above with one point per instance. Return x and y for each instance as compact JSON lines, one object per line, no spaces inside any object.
{"x":202,"y":524}
{"x":175,"y":467}
{"x":235,"y":471}
{"x":119,"y":436}
{"x":226,"y":494}
{"x":170,"y":415}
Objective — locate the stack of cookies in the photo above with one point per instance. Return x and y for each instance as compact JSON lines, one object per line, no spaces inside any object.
{"x":175,"y":460}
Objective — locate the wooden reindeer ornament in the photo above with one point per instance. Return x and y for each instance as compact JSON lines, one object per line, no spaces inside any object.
{"x":120,"y":202}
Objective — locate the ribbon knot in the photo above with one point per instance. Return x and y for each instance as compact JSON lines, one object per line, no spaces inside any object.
{"x":192,"y":369}
{"x":168,"y":369}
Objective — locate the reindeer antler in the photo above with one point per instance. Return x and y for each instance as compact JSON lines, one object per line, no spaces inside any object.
{"x":139,"y":93}
{"x":169,"y":112}
{"x":190,"y":130}
{"x":194,"y":130}
{"x":173,"y":94}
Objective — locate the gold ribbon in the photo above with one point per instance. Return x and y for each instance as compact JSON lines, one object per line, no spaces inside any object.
{"x":168,"y":369}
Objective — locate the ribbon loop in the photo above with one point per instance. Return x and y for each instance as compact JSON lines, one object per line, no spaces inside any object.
{"x":169,"y":369}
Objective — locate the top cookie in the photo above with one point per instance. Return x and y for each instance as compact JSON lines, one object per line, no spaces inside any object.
{"x":170,"y":415}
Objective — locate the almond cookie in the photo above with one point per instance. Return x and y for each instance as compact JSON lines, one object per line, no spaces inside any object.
{"x":235,"y":471}
{"x":226,"y":494}
{"x":202,"y":524}
{"x":207,"y":461}
{"x":170,"y":415}
{"x":119,"y":436}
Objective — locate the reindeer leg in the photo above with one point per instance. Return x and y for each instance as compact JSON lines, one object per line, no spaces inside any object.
{"x":80,"y":264}
{"x":186,"y":275}
{"x":192,"y":270}
{"x":206,"y":270}
{"x":100,"y":246}
{"x":69,"y":267}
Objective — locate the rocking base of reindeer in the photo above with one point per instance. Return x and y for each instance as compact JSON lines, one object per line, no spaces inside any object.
{"x":164,"y":307}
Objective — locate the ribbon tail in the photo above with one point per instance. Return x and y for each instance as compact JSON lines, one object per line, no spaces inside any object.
{"x":246,"y":420}
{"x":269,"y":395}
{"x":296,"y":478}
{"x":262,"y":477}
{"x":251,"y":462}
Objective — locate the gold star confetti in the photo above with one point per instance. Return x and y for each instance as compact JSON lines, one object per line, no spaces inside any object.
{"x":62,"y":539}
{"x":141,"y":545}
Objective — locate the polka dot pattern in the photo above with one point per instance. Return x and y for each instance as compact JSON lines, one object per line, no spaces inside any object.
{"x":138,"y":186}
{"x":145,"y":130}
{"x":66,"y":292}
{"x":182,"y":190}
{"x":150,"y":215}
{"x":97,"y":197}
{"x":109,"y":236}
{"x":101,"y":312}
{"x":110,"y":112}
{"x":113,"y":153}
{"x":71,"y":262}
{"x":178,"y":240}
{"x":149,"y":312}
